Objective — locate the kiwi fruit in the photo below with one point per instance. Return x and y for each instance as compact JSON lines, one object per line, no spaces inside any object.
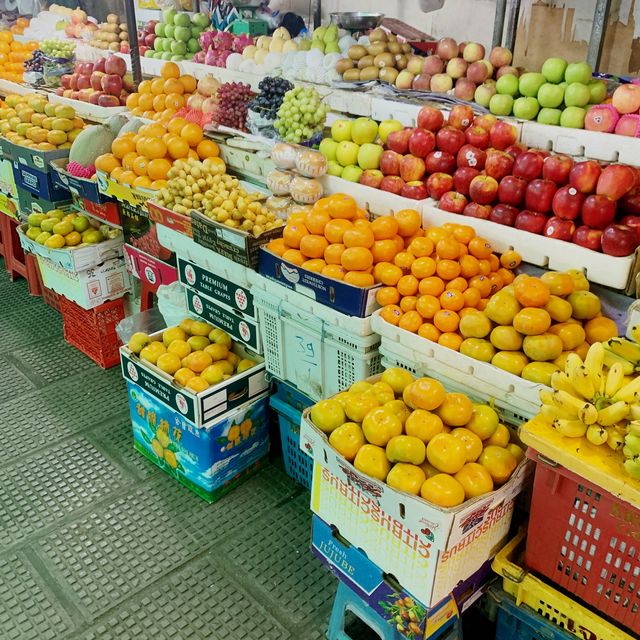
{"x":384,"y":60}
{"x":378,"y":35}
{"x":365,"y":62}
{"x":394,"y":47}
{"x":351,"y":75}
{"x":392,"y":38}
{"x":388,"y":74}
{"x":400,"y":61}
{"x":356,"y":52}
{"x":370,"y":73}
{"x":344,"y":64}
{"x":377,"y":48}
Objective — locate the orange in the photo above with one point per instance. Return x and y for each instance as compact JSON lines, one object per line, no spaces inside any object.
{"x":173,"y":85}
{"x":176,"y":125}
{"x":177,"y":147}
{"x":277,"y":246}
{"x":356,"y":259}
{"x":452,"y":300}
{"x":531,"y":292}
{"x":459,"y":284}
{"x":404,"y":260}
{"x":127,"y":177}
{"x":510,"y":259}
{"x":145,"y":101}
{"x":121,"y":146}
{"x":359,"y":278}
{"x":208,"y":149}
{"x":471,"y":297}
{"x":408,"y":303}
{"x":446,"y":320}
{"x":482,"y":284}
{"x":387,"y":273}
{"x":157,"y":86}
{"x":158,"y":103}
{"x":469,"y":266}
{"x":408,"y":222}
{"x":313,"y":246}
{"x":293,"y":255}
{"x":506,"y":275}
{"x":333,"y":253}
{"x":359,"y":236}
{"x":342,"y":206}
{"x":410,"y":321}
{"x":464,"y":233}
{"x":384,"y":227}
{"x":170,"y":70}
{"x":384,"y":250}
{"x":293,"y":234}
{"x":188,"y":82}
{"x":116,"y":173}
{"x":494,"y":262}
{"x":128,"y":160}
{"x":496,"y":282}
{"x":560,"y":284}
{"x":450,"y":340}
{"x":334,"y":271}
{"x":433,"y":286}
{"x":437,"y":233}
{"x":443,"y":490}
{"x":142,"y":181}
{"x":107,"y":162}
{"x":387,"y":295}
{"x":532,"y":321}
{"x":600,"y":329}
{"x":132,"y":101}
{"x":152,"y":148}
{"x":480,"y":248}
{"x":448,"y":248}
{"x":485,"y":267}
{"x":192,"y":133}
{"x":448,"y":269}
{"x":159,"y":184}
{"x":391,"y":314}
{"x":335,"y":229}
{"x":429,"y":332}
{"x":144,"y":87}
{"x":423,"y":267}
{"x":408,"y":285}
{"x":158,"y":168}
{"x":315,"y":264}
{"x":427,"y":306}
{"x":399,"y":242}
{"x":140,"y":166}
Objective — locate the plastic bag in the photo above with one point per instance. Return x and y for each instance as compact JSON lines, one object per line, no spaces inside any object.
{"x":172,"y":303}
{"x":148,"y":322}
{"x":54,"y":68}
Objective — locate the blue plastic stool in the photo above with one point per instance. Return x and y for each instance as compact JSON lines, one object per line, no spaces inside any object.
{"x":346,"y":600}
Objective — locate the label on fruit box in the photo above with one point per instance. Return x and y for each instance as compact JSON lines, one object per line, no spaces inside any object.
{"x":215,"y":287}
{"x":148,"y":268}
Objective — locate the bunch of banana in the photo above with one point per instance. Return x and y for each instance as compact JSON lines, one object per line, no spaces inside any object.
{"x":623,"y":351}
{"x":589,"y":400}
{"x":631,"y":449}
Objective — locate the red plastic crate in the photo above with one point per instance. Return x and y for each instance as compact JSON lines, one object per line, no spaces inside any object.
{"x":585,"y":540}
{"x":93,"y":331}
{"x":51,"y":298}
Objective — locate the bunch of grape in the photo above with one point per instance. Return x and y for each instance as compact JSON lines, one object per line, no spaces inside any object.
{"x":269,"y":100}
{"x":35,"y":62}
{"x":301,"y":115}
{"x":58,"y":48}
{"x":231,"y":110}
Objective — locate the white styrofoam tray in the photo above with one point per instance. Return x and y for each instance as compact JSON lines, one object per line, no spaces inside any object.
{"x":86,"y":109}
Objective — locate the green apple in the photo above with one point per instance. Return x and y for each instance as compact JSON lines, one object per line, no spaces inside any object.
{"x":550,"y":95}
{"x":328,"y":148}
{"x":507,"y":85}
{"x":577,"y":95}
{"x":389,"y":126}
{"x":149,"y":53}
{"x":182,"y":20}
{"x":598,"y":91}
{"x":578,"y":72}
{"x":166,"y":45}
{"x":352,"y":173}
{"x":364,"y":130}
{"x":193,"y":45}
{"x":525,"y":108}
{"x":167,"y":55}
{"x":529,"y":83}
{"x":157,"y":43}
{"x":176,"y":57}
{"x":178,"y":47}
{"x":201,"y":20}
{"x":553,"y":69}
{"x":182,"y":33}
{"x":501,"y":105}
{"x":347,"y":153}
{"x":168,"y":15}
{"x":549,"y":116}
{"x":334,"y":169}
{"x":158,"y":55}
{"x":369,"y":155}
{"x":340,"y":130}
{"x":573,"y":117}
{"x":159,"y":29}
{"x":484,"y":93}
{"x":169,"y":30}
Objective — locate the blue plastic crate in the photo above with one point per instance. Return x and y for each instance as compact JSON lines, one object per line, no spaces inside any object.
{"x":292,"y":396}
{"x":522,"y":623}
{"x":298,"y":465}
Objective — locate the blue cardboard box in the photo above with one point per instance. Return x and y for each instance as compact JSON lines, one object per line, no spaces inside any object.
{"x":38,"y":182}
{"x":208,"y":460}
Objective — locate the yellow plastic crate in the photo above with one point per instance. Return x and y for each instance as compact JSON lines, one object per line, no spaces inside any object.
{"x":549,"y":602}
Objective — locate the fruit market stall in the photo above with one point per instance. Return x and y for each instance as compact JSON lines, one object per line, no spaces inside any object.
{"x":418,"y":265}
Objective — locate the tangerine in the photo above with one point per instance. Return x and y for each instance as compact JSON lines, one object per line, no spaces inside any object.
{"x":408,"y":303}
{"x":335,"y":229}
{"x":387,"y":273}
{"x":429,"y":332}
{"x":293,"y":255}
{"x":510,"y":259}
{"x":387,"y":295}
{"x":356,"y":259}
{"x":450,"y":340}
{"x":408,"y":222}
{"x":207,"y":149}
{"x":192,"y":133}
{"x":427,"y":306}
{"x":342,"y":206}
{"x":391,"y":313}
{"x":170,"y":70}
{"x":315,"y":264}
{"x":384,"y":250}
{"x":316,"y":221}
{"x":384,"y":227}
{"x":359,"y":236}
{"x":480,"y":248}
{"x":313,"y":246}
{"x":189,"y":83}
{"x":410,"y":321}
{"x":359,"y":278}
{"x":293,"y":234}
{"x":408,"y":285}
{"x":469,"y":266}
{"x":423,"y":267}
{"x":531,"y":292}
{"x":158,"y":169}
{"x":277,"y":246}
{"x":448,"y":269}
{"x":452,"y":300}
{"x":448,"y":248}
{"x":446,"y":320}
{"x":334,"y":271}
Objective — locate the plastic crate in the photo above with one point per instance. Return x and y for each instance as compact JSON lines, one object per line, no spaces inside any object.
{"x":289,"y":394}
{"x":51,"y":298}
{"x":547,"y":601}
{"x":585,"y":539}
{"x":521,"y":623}
{"x":318,"y":356}
{"x":297,"y":464}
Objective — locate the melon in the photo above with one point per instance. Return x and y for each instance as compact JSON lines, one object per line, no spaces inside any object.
{"x":92,"y":142}
{"x":133,"y":125}
{"x":115,"y":123}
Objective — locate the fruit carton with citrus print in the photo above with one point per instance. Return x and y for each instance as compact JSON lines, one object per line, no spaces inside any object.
{"x":425,"y":487}
{"x":208,"y":460}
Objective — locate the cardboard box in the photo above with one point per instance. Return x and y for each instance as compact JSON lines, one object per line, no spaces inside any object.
{"x":38,"y":182}
{"x":7,"y":180}
{"x":428,"y":549}
{"x":82,"y":187}
{"x":207,"y":406}
{"x":122,"y":192}
{"x":10,"y":206}
{"x":30,"y":203}
{"x":208,"y":460}
{"x":140,"y":232}
{"x":33,"y":158}
{"x":148,"y":268}
{"x":340,"y":296}
{"x":108,"y":211}
{"x":168,"y":218}
{"x":88,"y":288}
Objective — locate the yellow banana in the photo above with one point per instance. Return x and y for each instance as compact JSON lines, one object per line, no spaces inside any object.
{"x":596,"y":434}
{"x":625,"y":349}
{"x":550,"y":412}
{"x":612,"y":414}
{"x":615,"y":379}
{"x":588,"y":414}
{"x":567,"y":402}
{"x":593,"y":363}
{"x":632,"y":467}
{"x":570,"y":428}
{"x":615,"y":438}
{"x":630,"y":392}
{"x":634,"y":412}
{"x":631,"y":445}
{"x":633,"y":428}
{"x":560,"y":382}
{"x":611,"y":358}
{"x":582,"y":382}
{"x":546,"y":396}
{"x":635,"y":333}
{"x":572,"y":363}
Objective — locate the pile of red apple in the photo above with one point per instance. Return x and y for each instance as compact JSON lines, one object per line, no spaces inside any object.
{"x":104,"y":83}
{"x":147,"y":36}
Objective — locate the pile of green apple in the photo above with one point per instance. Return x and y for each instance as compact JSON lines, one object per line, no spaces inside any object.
{"x":177,"y":34}
{"x":356,"y":146}
{"x":558,"y":94}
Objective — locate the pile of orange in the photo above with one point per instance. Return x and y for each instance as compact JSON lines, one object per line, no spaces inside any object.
{"x":143,"y":159}
{"x":161,"y":98}
{"x":13,"y":55}
{"x":19,"y":26}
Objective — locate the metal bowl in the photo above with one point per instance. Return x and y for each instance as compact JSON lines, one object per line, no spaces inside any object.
{"x":357,"y":20}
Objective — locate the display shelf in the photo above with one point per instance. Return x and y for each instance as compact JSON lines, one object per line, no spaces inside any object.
{"x":86,"y":109}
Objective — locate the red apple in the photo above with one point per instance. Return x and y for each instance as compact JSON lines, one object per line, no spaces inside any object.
{"x":95,"y":96}
{"x":96,"y":80}
{"x":598,"y":212}
{"x":73,"y":81}
{"x":432,"y":65}
{"x":477,"y":136}
{"x":390,"y":163}
{"x":150,"y":39}
{"x":470,"y":156}
{"x":483,"y":189}
{"x":586,"y":237}
{"x":372,"y":178}
{"x":452,"y":201}
{"x":447,"y":48}
{"x":512,"y":190}
{"x":632,"y":221}
{"x":439,"y":161}
{"x":60,"y":91}
{"x":111,"y":84}
{"x":619,"y":240}
{"x":85,"y":94}
{"x":557,"y":168}
{"x":67,"y":93}
{"x":415,"y":189}
{"x":107,"y":100}
{"x":151,"y":25}
{"x":504,"y":214}
{"x":143,"y":50}
{"x":560,"y":229}
{"x":539,"y":195}
{"x":528,"y":165}
{"x":615,"y":181}
{"x":84,"y":83}
{"x":498,"y":164}
{"x":584,"y":176}
{"x":65,"y":80}
{"x":438,"y":184}
{"x":515,"y":150}
{"x":460,"y":116}
{"x":411,"y":168}
{"x":115,"y":65}
{"x":449,"y":139}
{"x":465,"y":89}
{"x":567,"y":203}
{"x":430,"y":118}
{"x":503,"y":135}
{"x":531,"y":221}
{"x":475,"y":210}
{"x":545,"y":153}
{"x":630,"y":204}
{"x":98,"y":65}
{"x":486,"y":121}
{"x":462,"y":178}
{"x":393,"y":184}
{"x":421,"y":142}
{"x":398,"y":141}
{"x":75,"y":95}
